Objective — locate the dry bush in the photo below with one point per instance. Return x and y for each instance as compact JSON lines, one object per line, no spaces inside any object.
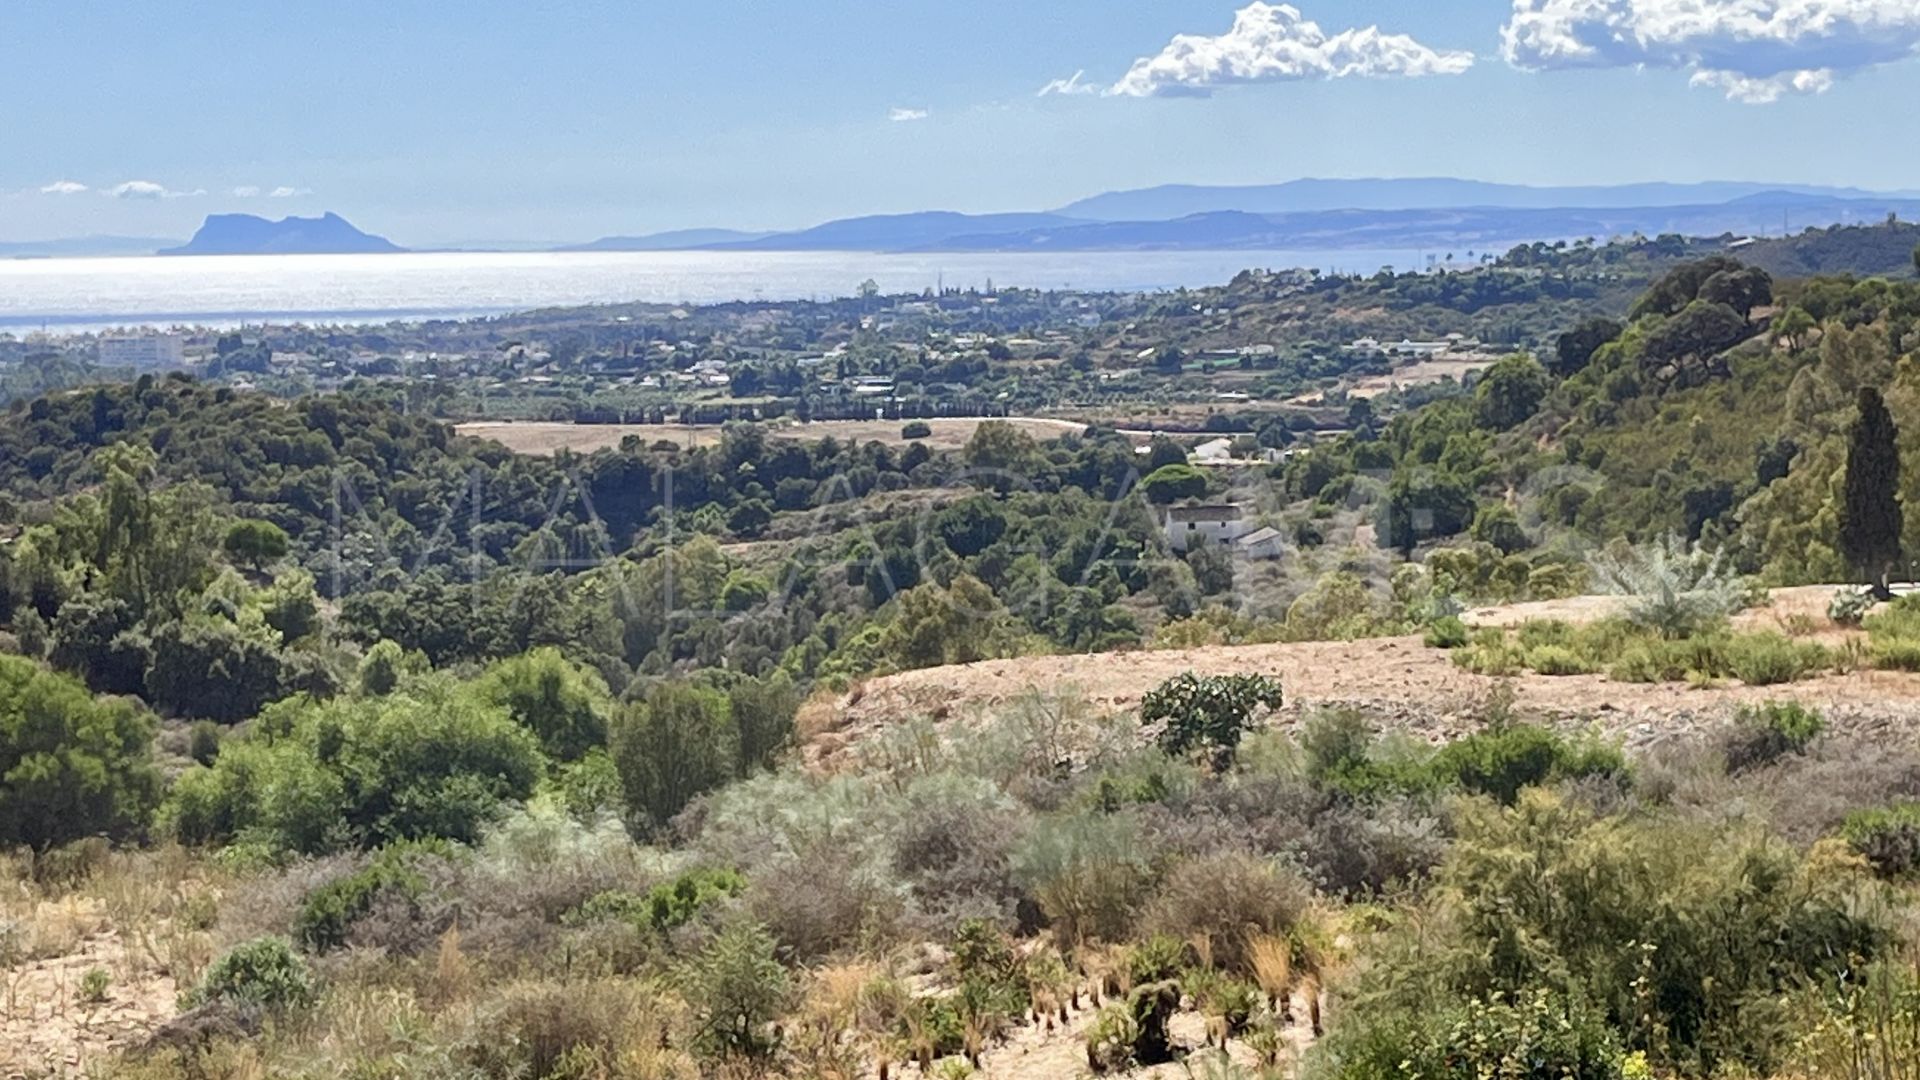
{"x":621,"y":1030}
{"x":1218,"y":903}
{"x":956,"y":856}
{"x":1809,"y":795}
{"x":823,"y":901}
{"x":266,"y":903}
{"x":1363,"y":849}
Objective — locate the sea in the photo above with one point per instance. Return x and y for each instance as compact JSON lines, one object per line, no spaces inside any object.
{"x":97,"y":294}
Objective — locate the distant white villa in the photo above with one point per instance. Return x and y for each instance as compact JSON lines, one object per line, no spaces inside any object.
{"x":1188,"y":527}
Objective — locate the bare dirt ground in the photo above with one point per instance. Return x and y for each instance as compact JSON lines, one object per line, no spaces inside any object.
{"x":543,"y":438}
{"x":48,"y":1027}
{"x":1416,"y":687}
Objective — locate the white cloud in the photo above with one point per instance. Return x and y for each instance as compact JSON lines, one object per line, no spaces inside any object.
{"x":1754,"y":51}
{"x":1275,"y":43}
{"x":284,"y":192}
{"x":246,"y":191}
{"x":64,"y":187}
{"x":147,"y":189}
{"x":907,"y":116}
{"x":1070,"y":87}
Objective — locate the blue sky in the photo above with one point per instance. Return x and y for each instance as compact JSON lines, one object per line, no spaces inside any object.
{"x":482,"y":121}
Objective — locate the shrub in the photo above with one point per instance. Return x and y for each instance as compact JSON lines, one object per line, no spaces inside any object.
{"x":1557,"y":660}
{"x":1089,"y":874}
{"x":1888,"y":837}
{"x":1671,"y":587}
{"x":666,"y":906}
{"x":1223,"y":899}
{"x":1212,"y":711}
{"x":94,"y":985}
{"x":1502,"y":762}
{"x":1493,"y":656}
{"x":1849,"y":607}
{"x":566,"y":1030}
{"x":736,"y":989}
{"x":263,"y":973}
{"x":675,"y":743}
{"x":1446,"y":632}
{"x":328,"y":913}
{"x":1895,"y":654}
{"x":1535,"y":633}
{"x":916,"y":429}
{"x":203,"y":742}
{"x":1767,"y":658}
{"x":1764,"y":734}
{"x":566,"y":705}
{"x":1533,"y":1034}
{"x":428,"y":761}
{"x":1646,"y":662}
{"x":71,"y":765}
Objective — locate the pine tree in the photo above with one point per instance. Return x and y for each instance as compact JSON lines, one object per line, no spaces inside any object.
{"x":1870,"y":508}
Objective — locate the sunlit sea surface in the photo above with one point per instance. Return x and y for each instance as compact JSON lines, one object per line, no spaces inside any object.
{"x":91,"y":294}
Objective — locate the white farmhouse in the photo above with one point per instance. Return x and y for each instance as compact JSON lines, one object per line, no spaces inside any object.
{"x":1189,"y":527}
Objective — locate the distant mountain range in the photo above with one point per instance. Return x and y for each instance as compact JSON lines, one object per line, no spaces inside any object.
{"x":678,"y":240}
{"x":1185,"y":200}
{"x":1331,"y":215}
{"x":1303,"y":215}
{"x":245,"y":234}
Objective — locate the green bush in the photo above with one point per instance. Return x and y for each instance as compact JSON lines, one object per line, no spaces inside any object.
{"x":1535,"y":633}
{"x":1446,"y":632}
{"x":1502,"y":762}
{"x":328,"y":913}
{"x":1887,"y":837}
{"x":71,"y":764}
{"x":664,"y":907}
{"x":1895,"y":654}
{"x":916,"y":429}
{"x":1496,"y":659}
{"x":1213,"y":711}
{"x":1764,"y":734}
{"x":1849,"y":606}
{"x":264,"y":973}
{"x":677,"y":742}
{"x":566,"y":705}
{"x":1534,"y":1034}
{"x":430,"y":760}
{"x":1767,"y":658}
{"x":1557,"y":660}
{"x":1693,"y":931}
{"x":1646,"y":662}
{"x":736,"y":990}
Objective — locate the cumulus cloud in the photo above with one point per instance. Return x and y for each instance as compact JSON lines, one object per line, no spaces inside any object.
{"x":246,"y":191}
{"x":1070,"y":87}
{"x":285,"y":192}
{"x":907,"y":116}
{"x":1753,"y":51}
{"x":1276,"y":43}
{"x":64,"y":187}
{"x":147,"y":189}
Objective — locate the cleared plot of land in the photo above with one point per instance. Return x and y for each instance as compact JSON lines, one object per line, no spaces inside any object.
{"x":543,"y":438}
{"x":1415,"y":688}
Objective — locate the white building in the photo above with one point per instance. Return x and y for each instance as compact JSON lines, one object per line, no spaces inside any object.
{"x":143,"y":351}
{"x":1189,"y":527}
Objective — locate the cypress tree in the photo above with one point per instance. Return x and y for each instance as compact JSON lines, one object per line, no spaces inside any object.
{"x":1870,"y":507}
